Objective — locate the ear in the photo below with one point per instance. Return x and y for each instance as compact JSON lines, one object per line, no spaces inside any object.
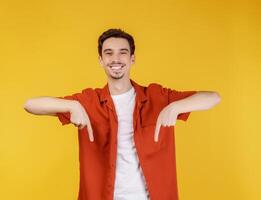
{"x":100,"y":60}
{"x":132,"y":58}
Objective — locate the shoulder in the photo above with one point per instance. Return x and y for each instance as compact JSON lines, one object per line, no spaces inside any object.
{"x":85,"y":94}
{"x":156,"y":88}
{"x":92,"y":92}
{"x":89,"y":91}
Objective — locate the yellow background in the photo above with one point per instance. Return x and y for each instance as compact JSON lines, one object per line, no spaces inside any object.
{"x":49,"y":48}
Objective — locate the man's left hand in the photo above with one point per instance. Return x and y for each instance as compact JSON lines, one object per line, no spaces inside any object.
{"x":167,"y":117}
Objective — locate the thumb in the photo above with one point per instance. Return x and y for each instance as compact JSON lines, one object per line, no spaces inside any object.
{"x":90,"y":132}
{"x":156,"y":135}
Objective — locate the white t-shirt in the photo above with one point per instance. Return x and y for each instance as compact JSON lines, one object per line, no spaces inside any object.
{"x":129,"y":181}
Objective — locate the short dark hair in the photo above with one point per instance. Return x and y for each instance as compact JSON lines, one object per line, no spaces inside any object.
{"x":117,"y":33}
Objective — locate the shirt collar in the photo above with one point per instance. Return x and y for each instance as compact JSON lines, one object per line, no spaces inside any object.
{"x":140,"y":95}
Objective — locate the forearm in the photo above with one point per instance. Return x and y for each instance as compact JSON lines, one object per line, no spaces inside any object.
{"x":49,"y":105}
{"x":202,"y":100}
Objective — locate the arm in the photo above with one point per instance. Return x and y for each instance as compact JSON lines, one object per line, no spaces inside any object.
{"x":49,"y":105}
{"x":52,"y":105}
{"x":202,"y":100}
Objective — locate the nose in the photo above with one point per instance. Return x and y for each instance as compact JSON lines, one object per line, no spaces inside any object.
{"x":116,"y":58}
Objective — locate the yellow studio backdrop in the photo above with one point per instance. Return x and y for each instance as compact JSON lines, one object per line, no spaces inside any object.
{"x":49,"y":48}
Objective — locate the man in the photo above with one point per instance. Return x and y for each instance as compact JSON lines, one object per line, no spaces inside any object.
{"x":129,"y":153}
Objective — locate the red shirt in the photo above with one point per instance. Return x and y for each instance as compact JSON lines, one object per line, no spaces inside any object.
{"x":98,"y":158}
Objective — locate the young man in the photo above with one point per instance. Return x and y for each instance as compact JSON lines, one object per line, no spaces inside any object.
{"x":125,"y":130}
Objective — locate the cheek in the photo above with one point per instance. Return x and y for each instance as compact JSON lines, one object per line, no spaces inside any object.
{"x":127,"y":61}
{"x":105,"y":60}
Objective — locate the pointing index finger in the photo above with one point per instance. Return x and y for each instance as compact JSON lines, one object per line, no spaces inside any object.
{"x":90,"y":131}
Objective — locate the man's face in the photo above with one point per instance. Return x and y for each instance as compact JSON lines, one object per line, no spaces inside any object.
{"x":116,"y":59}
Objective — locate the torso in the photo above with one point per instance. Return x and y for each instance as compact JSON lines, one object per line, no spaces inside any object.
{"x":129,"y":183}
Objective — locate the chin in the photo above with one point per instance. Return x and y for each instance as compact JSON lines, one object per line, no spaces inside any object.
{"x":117,"y":77}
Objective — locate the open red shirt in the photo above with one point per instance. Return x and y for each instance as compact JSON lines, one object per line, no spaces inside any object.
{"x":98,"y":158}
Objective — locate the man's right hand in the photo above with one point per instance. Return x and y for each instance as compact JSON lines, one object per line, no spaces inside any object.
{"x":80,"y":119}
{"x":46,"y":105}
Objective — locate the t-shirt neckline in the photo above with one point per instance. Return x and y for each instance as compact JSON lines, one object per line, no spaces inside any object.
{"x":124,"y":94}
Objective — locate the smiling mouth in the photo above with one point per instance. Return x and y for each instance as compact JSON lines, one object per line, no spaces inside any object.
{"x":116,"y":67}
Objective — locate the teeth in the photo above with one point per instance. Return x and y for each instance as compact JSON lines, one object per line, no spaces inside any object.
{"x":116,"y":67}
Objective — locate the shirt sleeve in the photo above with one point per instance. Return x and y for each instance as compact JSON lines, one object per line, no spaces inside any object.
{"x":64,"y":118}
{"x":174,"y":95}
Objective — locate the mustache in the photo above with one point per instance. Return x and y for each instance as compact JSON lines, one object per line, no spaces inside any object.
{"x":115,"y":63}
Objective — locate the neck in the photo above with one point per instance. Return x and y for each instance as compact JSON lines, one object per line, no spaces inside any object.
{"x":119,"y":86}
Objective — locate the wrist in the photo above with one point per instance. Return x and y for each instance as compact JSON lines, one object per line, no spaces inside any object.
{"x":74,"y":105}
{"x":174,"y":108}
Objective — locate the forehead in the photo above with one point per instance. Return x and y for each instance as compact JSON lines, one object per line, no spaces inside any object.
{"x":115,"y":43}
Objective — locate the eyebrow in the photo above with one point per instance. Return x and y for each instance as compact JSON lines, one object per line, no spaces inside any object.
{"x":124,"y":49}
